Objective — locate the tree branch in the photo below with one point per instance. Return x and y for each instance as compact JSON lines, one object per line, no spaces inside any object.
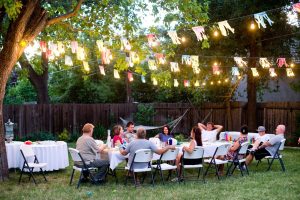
{"x":65,"y":16}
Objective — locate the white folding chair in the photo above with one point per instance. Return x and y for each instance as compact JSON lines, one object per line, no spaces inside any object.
{"x":236,"y":161}
{"x":140,"y":156}
{"x":82,"y":168}
{"x":197,"y":154}
{"x":164,"y":163}
{"x":28,"y":154}
{"x":277,"y":156}
{"x":220,"y":151}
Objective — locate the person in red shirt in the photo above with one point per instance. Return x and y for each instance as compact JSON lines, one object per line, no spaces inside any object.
{"x":118,"y":132}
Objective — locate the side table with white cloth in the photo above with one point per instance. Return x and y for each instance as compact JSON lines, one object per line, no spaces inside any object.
{"x":55,"y":154}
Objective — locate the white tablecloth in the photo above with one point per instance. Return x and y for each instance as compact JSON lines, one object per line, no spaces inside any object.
{"x":55,"y":154}
{"x":115,"y":157}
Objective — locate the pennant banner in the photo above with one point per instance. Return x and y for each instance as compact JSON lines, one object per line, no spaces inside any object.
{"x":240,"y":62}
{"x":200,"y":33}
{"x":174,"y":37}
{"x":281,"y":61}
{"x":152,"y":65}
{"x":264,"y":63}
{"x":174,"y":67}
{"x":225,"y":28}
{"x":260,"y":19}
{"x":101,"y":68}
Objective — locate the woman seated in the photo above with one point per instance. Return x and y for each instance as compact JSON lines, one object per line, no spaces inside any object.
{"x":165,"y":135}
{"x":118,"y":132}
{"x":195,"y":141}
{"x":233,"y":150}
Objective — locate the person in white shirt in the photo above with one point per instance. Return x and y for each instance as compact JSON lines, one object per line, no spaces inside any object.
{"x":262,"y":136}
{"x":210,"y":131}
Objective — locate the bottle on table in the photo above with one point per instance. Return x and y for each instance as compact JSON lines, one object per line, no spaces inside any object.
{"x":108,"y":142}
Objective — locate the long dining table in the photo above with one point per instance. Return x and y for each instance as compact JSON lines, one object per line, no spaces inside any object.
{"x":115,"y":157}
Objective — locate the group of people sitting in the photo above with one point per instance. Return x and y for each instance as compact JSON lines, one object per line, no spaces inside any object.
{"x":263,"y":145}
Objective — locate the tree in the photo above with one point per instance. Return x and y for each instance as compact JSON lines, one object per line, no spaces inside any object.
{"x":21,"y":22}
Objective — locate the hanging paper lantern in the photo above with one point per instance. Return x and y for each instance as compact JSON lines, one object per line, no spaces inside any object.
{"x":174,"y":37}
{"x":130,"y":76}
{"x":152,"y":40}
{"x":281,"y":62}
{"x":216,"y":69}
{"x":68,"y":61}
{"x":225,"y":28}
{"x":174,"y":67}
{"x":289,"y":72}
{"x":80,"y":53}
{"x":296,"y":7}
{"x":143,"y":79}
{"x":186,"y":83}
{"x":86,"y":66}
{"x":260,"y":19}
{"x":194,"y":61}
{"x":186,"y":59}
{"x":154,"y":81}
{"x":235,"y":71}
{"x":106,"y":56}
{"x":60,"y":47}
{"x":240,"y":62}
{"x":254,"y":72}
{"x":74,"y":46}
{"x":264,"y":63}
{"x":272,"y":72}
{"x":160,"y":58}
{"x":125,"y":45}
{"x":133,"y":58}
{"x":200,"y":33}
{"x":116,"y":74}
{"x":197,"y":84}
{"x":100,"y":45}
{"x":54,"y":49}
{"x":152,"y":65}
{"x":176,"y":84}
{"x":101,"y":68}
{"x":43,"y":46}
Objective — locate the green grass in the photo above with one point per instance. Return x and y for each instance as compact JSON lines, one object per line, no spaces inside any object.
{"x":258,"y":185}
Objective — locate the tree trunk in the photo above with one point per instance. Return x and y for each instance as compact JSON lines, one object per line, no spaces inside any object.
{"x":252,"y":85}
{"x":39,"y":81}
{"x":228,"y":114}
{"x":31,"y":20}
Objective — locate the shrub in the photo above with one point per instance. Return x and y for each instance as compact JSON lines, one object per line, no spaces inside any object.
{"x":100,"y":132}
{"x":40,"y":136}
{"x":64,"y":136}
{"x":145,"y":114}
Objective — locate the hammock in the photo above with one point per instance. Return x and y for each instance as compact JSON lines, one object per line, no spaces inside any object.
{"x":171,"y":124}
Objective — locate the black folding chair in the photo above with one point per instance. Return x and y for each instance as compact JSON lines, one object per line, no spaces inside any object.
{"x":237,"y":162}
{"x":214,"y":162}
{"x":82,"y":168}
{"x":140,"y":156}
{"x":27,"y":154}
{"x":277,"y":156}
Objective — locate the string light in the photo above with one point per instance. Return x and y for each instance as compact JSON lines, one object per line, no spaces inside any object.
{"x":216,"y":33}
{"x":219,"y":82}
{"x":292,"y":65}
{"x":212,"y":83}
{"x":252,"y":26}
{"x":183,"y":39}
{"x":203,"y":83}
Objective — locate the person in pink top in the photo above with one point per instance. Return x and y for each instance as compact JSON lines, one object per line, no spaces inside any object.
{"x":118,"y":132}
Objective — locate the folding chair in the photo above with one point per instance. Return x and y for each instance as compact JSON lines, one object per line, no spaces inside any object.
{"x":220,"y":151}
{"x":140,"y":156}
{"x":28,"y":154}
{"x":277,"y":156}
{"x":164,"y":163}
{"x":239,"y":162}
{"x":197,"y":153}
{"x":83,"y":168}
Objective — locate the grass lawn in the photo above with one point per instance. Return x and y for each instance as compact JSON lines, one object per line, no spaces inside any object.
{"x":259,"y":185}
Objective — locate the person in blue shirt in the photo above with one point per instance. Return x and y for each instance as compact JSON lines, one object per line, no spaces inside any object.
{"x":165,"y":135}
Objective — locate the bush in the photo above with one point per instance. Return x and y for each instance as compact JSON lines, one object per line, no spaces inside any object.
{"x":293,"y":140}
{"x":144,"y":115}
{"x":100,"y":132}
{"x":179,"y":137}
{"x":74,"y":136}
{"x":64,"y":136}
{"x":38,"y":136}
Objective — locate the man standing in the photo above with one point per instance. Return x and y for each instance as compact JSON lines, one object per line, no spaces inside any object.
{"x":88,"y":149}
{"x":129,"y":135}
{"x":210,"y":131}
{"x":267,"y":148}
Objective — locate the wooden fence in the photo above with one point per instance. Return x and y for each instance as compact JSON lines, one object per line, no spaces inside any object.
{"x":55,"y":117}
